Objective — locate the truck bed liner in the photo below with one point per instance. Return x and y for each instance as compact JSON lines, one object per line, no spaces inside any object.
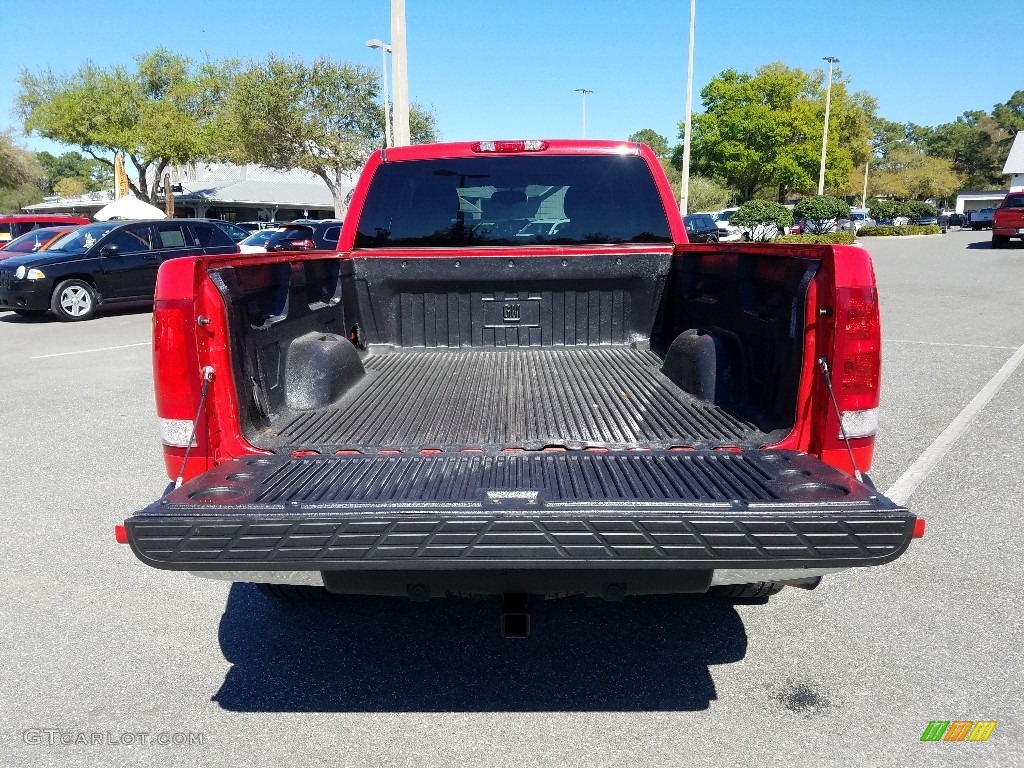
{"x":612,"y":397}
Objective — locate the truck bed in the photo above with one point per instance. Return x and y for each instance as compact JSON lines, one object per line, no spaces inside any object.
{"x":607,"y":397}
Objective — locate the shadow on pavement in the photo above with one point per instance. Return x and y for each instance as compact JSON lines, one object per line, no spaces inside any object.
{"x":134,"y":308}
{"x":370,"y":654}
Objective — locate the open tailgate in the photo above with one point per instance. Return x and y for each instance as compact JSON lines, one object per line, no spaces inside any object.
{"x":627,"y":509}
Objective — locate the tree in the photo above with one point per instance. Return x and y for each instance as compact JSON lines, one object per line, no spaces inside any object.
{"x":17,"y":165}
{"x":19,"y":176}
{"x":69,"y":187}
{"x":764,"y":219}
{"x":821,"y":212}
{"x":325,"y":117}
{"x":910,"y":174}
{"x":763,"y":132}
{"x":653,"y":139}
{"x":887,"y":210}
{"x":1009,"y":116}
{"x":91,"y":174}
{"x":974,"y":144}
{"x":708,"y":195}
{"x":161,"y":113}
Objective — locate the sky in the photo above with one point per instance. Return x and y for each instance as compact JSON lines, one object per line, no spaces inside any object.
{"x":509,"y":68}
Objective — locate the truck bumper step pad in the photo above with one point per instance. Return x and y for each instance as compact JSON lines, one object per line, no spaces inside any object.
{"x":635,"y":509}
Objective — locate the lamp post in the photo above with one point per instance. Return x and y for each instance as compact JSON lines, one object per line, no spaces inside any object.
{"x":584,"y":91}
{"x":684,"y":192}
{"x":824,"y":137}
{"x":385,"y":49}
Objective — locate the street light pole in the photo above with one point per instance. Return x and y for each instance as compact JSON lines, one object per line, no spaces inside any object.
{"x":385,"y":49}
{"x":400,"y":73}
{"x":584,"y":91}
{"x":864,"y":194}
{"x":684,"y":192}
{"x":824,"y":137}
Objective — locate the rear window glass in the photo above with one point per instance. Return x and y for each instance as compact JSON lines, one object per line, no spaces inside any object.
{"x":210,"y":236}
{"x":512,"y":200}
{"x":1014,"y":202}
{"x":292,"y":233}
{"x":173,"y":236}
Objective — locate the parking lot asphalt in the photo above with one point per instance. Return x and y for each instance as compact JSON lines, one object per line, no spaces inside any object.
{"x":103,"y":652}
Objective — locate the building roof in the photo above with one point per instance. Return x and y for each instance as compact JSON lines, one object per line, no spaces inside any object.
{"x":1015,"y":160}
{"x":253,"y":184}
{"x":219,"y":183}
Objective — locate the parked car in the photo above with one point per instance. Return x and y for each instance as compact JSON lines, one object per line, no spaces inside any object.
{"x":1008,"y":220}
{"x":982,"y":219}
{"x":306,"y":235}
{"x":235,"y":232}
{"x":957,"y":220}
{"x":104,"y":263}
{"x":18,"y":224}
{"x":701,"y":228}
{"x":728,"y":233}
{"x":34,"y":241}
{"x":923,"y":221}
{"x":257,"y":241}
{"x":857,"y":219}
{"x":256,"y":226}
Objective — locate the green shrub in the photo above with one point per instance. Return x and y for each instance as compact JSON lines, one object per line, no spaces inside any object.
{"x":821,"y":212}
{"x":763,"y":219}
{"x":887,"y":210}
{"x":920,"y":208}
{"x":828,"y":238}
{"x":930,"y":229}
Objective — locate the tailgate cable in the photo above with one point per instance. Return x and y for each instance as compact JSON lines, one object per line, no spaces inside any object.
{"x":839,"y":417}
{"x":207,"y":378}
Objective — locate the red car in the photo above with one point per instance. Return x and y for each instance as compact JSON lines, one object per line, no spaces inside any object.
{"x":34,"y":241}
{"x":18,"y":224}
{"x":1008,"y":220}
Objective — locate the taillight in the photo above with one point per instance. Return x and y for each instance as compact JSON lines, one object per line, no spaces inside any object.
{"x":858,"y":350}
{"x":177,"y":382}
{"x":300,"y":244}
{"x":529,"y":145}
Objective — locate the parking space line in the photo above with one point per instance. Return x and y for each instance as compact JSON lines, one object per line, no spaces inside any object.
{"x":945,"y":344}
{"x":86,"y":351}
{"x":916,"y":473}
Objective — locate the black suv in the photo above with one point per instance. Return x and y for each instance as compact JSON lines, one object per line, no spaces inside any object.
{"x":103,"y":263}
{"x":701,"y":228}
{"x":306,"y":235}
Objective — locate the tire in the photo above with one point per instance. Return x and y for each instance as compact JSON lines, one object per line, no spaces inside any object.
{"x":998,"y":241}
{"x":745,"y":591}
{"x":74,"y":300}
{"x":293,"y":593}
{"x":29,"y":312}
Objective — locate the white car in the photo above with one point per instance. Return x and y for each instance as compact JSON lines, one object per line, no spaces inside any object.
{"x":256,"y":242}
{"x":727,"y":233}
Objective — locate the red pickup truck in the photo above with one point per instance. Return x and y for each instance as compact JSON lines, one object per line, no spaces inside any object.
{"x":517,"y":378}
{"x":1008,"y":220}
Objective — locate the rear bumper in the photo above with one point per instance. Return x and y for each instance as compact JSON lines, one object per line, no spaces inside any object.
{"x":553,"y":512}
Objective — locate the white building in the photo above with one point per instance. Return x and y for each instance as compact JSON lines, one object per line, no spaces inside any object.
{"x":1014,"y":167}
